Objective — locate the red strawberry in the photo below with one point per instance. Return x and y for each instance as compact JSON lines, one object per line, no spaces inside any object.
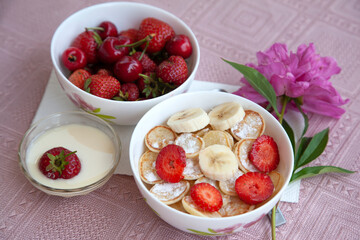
{"x":130,"y":33}
{"x":147,"y":64}
{"x":173,"y":70}
{"x":170,"y":163}
{"x":88,"y":42}
{"x":59,"y":162}
{"x":206,"y":197}
{"x":264,"y":154}
{"x":104,"y":86}
{"x":129,"y":92}
{"x":254,"y":187}
{"x":104,"y":71}
{"x":162,"y":32}
{"x":78,"y":77}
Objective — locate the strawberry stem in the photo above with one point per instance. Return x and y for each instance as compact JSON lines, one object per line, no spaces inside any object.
{"x":58,"y":162}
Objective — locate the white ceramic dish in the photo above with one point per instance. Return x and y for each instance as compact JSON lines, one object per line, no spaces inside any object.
{"x":124,"y":15}
{"x":207,"y":100}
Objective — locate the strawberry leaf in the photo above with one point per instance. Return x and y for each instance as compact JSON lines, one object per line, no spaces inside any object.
{"x":258,"y":82}
{"x":317,"y":170}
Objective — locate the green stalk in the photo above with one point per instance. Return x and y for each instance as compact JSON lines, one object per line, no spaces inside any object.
{"x":273,"y":223}
{"x":285,"y":100}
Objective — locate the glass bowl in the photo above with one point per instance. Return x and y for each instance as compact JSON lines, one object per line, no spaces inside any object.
{"x":83,"y":131}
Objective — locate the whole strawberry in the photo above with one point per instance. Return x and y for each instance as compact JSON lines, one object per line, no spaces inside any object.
{"x":88,"y":42}
{"x":129,"y":92}
{"x":161,"y":31}
{"x":173,"y":70}
{"x":104,"y":86}
{"x":59,"y":162}
{"x":146,"y":62}
{"x":130,"y":33}
{"x":78,"y":77}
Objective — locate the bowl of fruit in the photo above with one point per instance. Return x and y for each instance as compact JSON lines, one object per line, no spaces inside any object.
{"x":116,"y":60}
{"x":210,"y":163}
{"x":69,"y":153}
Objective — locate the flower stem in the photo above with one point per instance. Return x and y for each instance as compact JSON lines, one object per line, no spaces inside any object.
{"x":273,"y":223}
{"x":285,"y":100}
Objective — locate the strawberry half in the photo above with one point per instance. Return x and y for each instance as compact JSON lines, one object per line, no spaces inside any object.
{"x":78,"y":77}
{"x":59,"y":162}
{"x":173,"y":70}
{"x":170,"y":163}
{"x":254,"y":187}
{"x":206,"y":196}
{"x":161,"y":32}
{"x":104,"y":86}
{"x":264,"y":154}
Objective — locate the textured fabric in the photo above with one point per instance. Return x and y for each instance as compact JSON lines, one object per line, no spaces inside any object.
{"x":329,"y":204}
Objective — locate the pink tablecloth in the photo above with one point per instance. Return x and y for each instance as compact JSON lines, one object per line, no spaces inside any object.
{"x":329,"y":205}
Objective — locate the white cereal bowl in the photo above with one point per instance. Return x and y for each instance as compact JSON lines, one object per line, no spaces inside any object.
{"x":193,"y":224}
{"x":124,"y":15}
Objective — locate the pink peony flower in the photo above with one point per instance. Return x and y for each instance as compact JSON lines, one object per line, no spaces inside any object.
{"x":303,"y":74}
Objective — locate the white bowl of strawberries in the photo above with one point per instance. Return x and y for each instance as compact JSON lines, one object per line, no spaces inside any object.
{"x":210,"y":163}
{"x":117,"y":60}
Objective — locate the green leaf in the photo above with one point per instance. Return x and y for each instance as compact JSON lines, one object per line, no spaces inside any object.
{"x":304,"y":142}
{"x":290,"y":134}
{"x":306,"y":119}
{"x":315,"y":147}
{"x":317,"y":170}
{"x":97,"y":110}
{"x":258,"y":82}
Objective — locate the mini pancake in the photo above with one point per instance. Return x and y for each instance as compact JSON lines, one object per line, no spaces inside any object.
{"x":251,"y":127}
{"x":158,"y":137}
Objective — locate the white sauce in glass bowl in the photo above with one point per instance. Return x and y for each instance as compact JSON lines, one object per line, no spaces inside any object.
{"x":95,"y":151}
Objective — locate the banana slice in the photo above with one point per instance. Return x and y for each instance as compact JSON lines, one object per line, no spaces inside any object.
{"x":235,"y":207}
{"x":226,"y":115}
{"x":218,"y":162}
{"x":193,"y":209}
{"x":189,"y":120}
{"x":218,"y":137}
{"x":170,"y":193}
{"x":251,"y":127}
{"x":228,"y":186}
{"x":158,"y":137}
{"x":192,"y":170}
{"x":241,"y":150}
{"x":147,"y":168}
{"x":191,"y":143}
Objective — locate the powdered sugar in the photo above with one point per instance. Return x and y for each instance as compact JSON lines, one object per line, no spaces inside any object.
{"x":189,"y":142}
{"x":168,"y":191}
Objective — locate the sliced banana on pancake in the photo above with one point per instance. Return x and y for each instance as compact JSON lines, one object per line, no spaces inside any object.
{"x":147,"y":168}
{"x":251,"y":127}
{"x":192,"y":170}
{"x":241,"y":150}
{"x":158,"y":137}
{"x":228,"y":186}
{"x":191,"y":143}
{"x":234,"y":207}
{"x":170,"y":193}
{"x":193,"y":209}
{"x":226,"y":115}
{"x":218,"y":162}
{"x":218,"y":137}
{"x":189,"y":120}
